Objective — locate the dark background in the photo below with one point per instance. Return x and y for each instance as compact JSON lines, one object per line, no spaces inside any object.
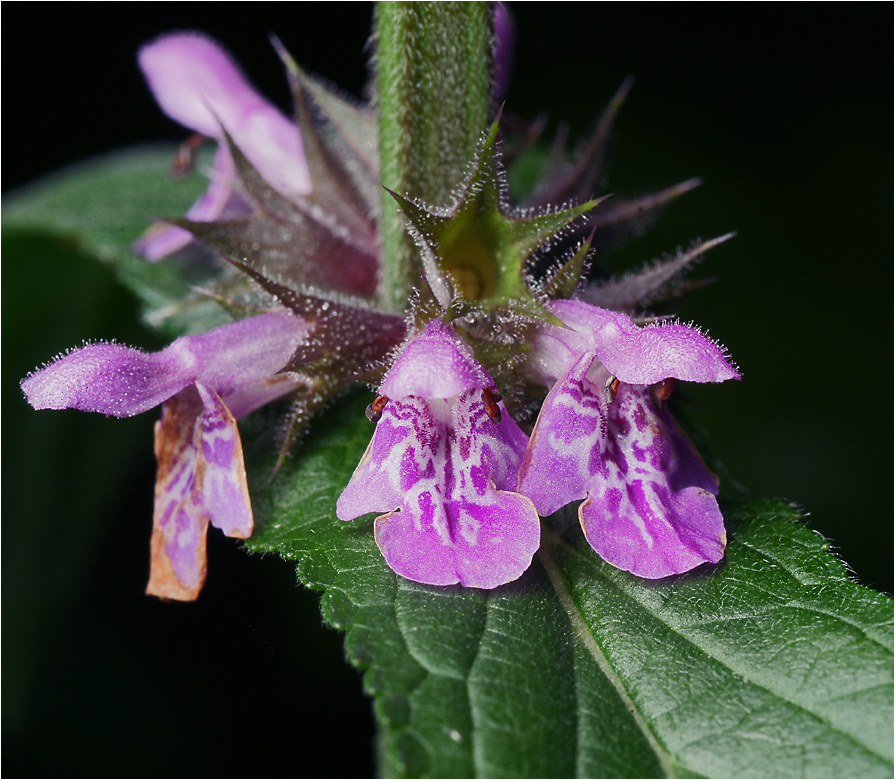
{"x":784,"y":111}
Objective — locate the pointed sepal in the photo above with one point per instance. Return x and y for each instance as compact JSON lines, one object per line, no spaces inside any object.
{"x":339,"y":141}
{"x":292,"y":239}
{"x":659,"y":281}
{"x":479,"y":251}
{"x":348,"y":342}
{"x":579,"y":180}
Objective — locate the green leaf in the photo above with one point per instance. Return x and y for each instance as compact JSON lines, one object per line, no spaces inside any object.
{"x":103,"y":205}
{"x":774,"y":664}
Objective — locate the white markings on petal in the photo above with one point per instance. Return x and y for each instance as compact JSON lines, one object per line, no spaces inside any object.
{"x":660,"y":524}
{"x":442,"y":463}
{"x":222,"y":474}
{"x":564,"y":454}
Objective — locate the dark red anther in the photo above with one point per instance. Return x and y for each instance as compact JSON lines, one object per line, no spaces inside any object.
{"x":665,"y":389}
{"x":374,"y":410}
{"x":611,"y":388}
{"x":490,"y":397}
{"x":185,"y":157}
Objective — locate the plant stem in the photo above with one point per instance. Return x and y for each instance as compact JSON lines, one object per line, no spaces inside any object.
{"x":434,"y":74}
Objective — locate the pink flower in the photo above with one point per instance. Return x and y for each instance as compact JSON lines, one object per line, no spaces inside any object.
{"x":204,"y":384}
{"x":197,"y":84}
{"x":605,"y":435}
{"x":442,"y":465}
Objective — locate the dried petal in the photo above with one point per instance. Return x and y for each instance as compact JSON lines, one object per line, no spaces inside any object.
{"x":178,"y":560}
{"x":201,"y":478}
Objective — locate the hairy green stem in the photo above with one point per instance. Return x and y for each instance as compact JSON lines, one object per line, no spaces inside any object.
{"x":434,"y":73}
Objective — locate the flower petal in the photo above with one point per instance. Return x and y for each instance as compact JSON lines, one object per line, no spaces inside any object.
{"x":160,"y":240}
{"x":121,"y":381}
{"x":434,"y":364}
{"x":219,"y":197}
{"x":179,"y":523}
{"x":201,"y":478}
{"x":221,"y":484}
{"x":241,"y":361}
{"x":566,"y":445}
{"x":219,"y":201}
{"x":105,"y":378}
{"x":442,"y":468}
{"x":640,"y":356}
{"x":651,"y":511}
{"x":197,"y":84}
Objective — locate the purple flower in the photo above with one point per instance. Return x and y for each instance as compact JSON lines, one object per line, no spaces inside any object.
{"x":204,"y":384}
{"x":442,"y":465}
{"x":197,"y":84}
{"x":605,"y":435}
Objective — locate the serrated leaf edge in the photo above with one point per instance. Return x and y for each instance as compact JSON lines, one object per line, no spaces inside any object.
{"x":590,"y":643}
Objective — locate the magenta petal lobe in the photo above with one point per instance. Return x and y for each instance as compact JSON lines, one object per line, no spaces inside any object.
{"x":564,"y":454}
{"x":642,"y":516}
{"x":222,"y":474}
{"x":652,"y":533}
{"x":436,"y":467}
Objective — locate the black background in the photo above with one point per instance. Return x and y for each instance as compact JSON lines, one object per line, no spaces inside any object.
{"x":786,"y":113}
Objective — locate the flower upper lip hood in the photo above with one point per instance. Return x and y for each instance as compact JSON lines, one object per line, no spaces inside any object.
{"x":637,"y":355}
{"x":434,"y":364}
{"x":237,"y":360}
